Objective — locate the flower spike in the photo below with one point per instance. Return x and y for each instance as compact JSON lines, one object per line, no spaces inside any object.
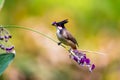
{"x":4,"y":38}
{"x":81,"y":59}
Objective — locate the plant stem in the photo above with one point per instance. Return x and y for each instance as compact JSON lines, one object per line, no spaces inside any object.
{"x":26,"y":28}
{"x":30,"y":29}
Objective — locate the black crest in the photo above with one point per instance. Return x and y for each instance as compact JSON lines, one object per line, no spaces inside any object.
{"x":61,"y":23}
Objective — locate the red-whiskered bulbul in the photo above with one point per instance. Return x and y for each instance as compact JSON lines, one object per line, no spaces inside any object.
{"x":64,"y":35}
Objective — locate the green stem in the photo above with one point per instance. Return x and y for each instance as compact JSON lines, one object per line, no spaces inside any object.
{"x":21,"y":27}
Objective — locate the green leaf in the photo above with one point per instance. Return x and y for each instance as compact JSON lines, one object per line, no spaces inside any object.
{"x":5,"y":60}
{"x":1,"y":3}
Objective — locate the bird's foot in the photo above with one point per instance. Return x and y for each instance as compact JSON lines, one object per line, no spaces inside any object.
{"x":59,"y":43}
{"x":69,"y":50}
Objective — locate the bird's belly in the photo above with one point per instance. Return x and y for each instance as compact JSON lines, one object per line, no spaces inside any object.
{"x":62,"y":39}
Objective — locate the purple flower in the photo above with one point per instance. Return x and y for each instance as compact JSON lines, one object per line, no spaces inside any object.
{"x":81,"y":59}
{"x":87,"y":61}
{"x":75,"y":51}
{"x":5,"y":36}
{"x":9,"y":49}
{"x":91,"y":67}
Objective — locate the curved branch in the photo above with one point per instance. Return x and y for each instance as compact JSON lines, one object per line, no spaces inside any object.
{"x":30,"y":29}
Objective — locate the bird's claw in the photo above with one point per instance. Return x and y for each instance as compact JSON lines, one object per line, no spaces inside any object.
{"x":59,"y":43}
{"x":69,"y":50}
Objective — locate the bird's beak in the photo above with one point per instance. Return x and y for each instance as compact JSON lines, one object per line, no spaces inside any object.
{"x":54,"y":23}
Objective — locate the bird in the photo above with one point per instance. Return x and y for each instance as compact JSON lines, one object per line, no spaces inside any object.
{"x":63,"y":35}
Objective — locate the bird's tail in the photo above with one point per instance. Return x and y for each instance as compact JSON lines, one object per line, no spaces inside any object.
{"x":64,"y":21}
{"x":73,"y":46}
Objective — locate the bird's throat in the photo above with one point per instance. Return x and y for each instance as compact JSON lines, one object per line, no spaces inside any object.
{"x":59,"y":27}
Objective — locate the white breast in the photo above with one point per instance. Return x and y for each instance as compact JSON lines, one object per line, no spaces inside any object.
{"x":58,"y":33}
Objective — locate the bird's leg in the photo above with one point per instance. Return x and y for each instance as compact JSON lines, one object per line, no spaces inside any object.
{"x":69,"y":50}
{"x":59,"y":43}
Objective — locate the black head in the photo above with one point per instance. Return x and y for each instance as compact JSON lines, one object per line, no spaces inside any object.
{"x":54,"y":23}
{"x":61,"y":23}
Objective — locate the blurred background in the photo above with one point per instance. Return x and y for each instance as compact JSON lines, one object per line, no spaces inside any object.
{"x":94,"y":23}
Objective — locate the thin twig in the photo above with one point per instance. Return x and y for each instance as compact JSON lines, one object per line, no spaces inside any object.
{"x":30,"y":29}
{"x":87,"y":51}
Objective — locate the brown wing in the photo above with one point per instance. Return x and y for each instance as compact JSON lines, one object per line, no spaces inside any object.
{"x":68,"y":36}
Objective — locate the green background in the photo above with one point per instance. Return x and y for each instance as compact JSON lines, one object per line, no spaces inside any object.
{"x":94,"y":23}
